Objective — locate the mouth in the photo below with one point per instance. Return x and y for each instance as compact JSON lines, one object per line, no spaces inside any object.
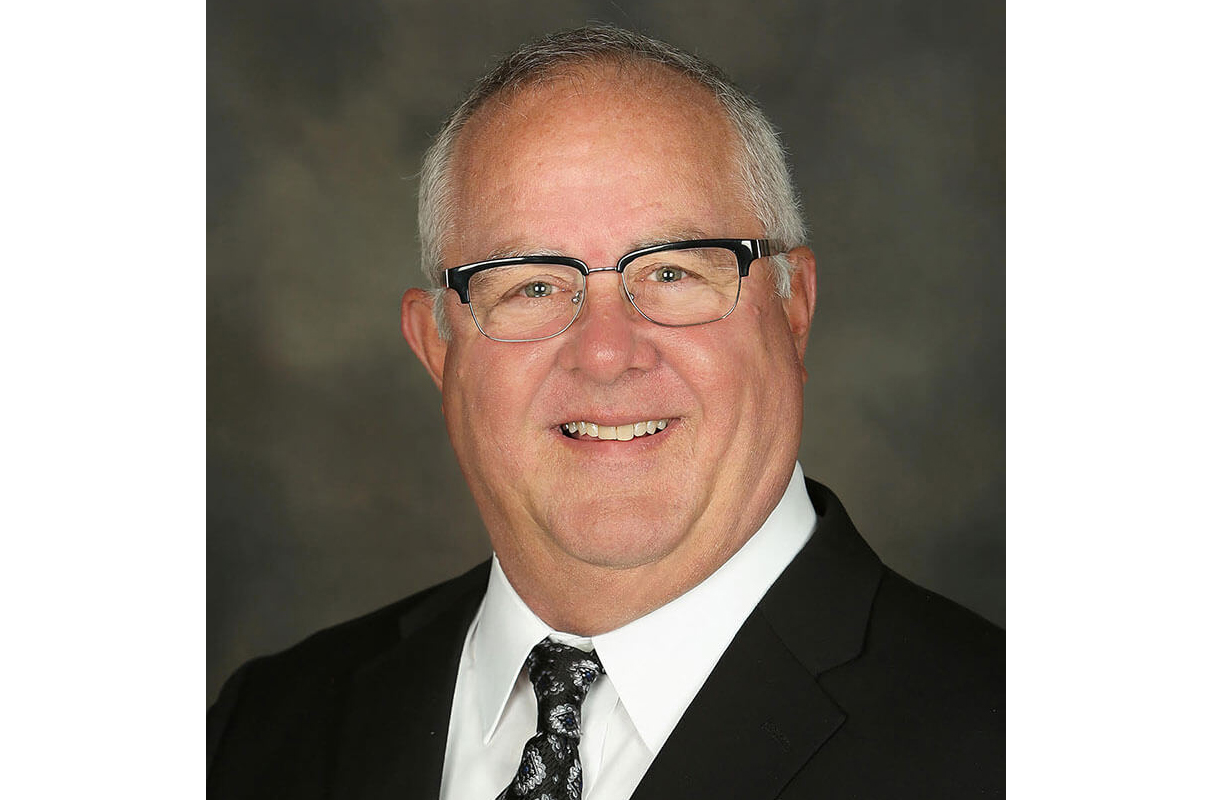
{"x":623,"y":433}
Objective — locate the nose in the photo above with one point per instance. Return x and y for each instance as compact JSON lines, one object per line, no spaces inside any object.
{"x":609,"y":338}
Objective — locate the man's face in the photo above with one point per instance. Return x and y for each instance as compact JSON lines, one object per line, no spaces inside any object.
{"x":581,"y":168}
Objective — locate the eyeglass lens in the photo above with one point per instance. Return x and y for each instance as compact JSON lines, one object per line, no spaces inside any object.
{"x":670,"y":287}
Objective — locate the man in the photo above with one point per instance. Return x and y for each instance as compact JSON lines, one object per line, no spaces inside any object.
{"x":624,"y":300}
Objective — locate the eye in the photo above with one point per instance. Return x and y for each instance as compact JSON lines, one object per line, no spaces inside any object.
{"x":668,"y":274}
{"x":538,"y":289}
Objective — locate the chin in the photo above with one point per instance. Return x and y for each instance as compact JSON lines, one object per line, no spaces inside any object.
{"x":613,"y":539}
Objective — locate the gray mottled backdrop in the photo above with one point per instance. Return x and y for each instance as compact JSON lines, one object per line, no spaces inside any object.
{"x":331,"y":487}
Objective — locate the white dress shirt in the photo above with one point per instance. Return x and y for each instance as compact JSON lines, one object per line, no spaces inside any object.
{"x":655,"y":665}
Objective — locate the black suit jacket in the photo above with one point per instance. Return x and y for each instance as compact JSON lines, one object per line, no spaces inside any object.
{"x":847,"y":681}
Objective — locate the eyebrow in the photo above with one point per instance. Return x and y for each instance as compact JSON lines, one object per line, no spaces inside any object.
{"x":668,"y":237}
{"x":512,"y":251}
{"x":676,"y":235}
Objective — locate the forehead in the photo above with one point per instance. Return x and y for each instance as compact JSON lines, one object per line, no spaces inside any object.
{"x":625,"y":152}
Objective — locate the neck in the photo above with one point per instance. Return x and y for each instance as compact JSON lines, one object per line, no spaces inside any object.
{"x":590,"y":601}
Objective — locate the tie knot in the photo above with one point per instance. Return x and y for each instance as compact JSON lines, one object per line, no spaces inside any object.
{"x":561,"y":675}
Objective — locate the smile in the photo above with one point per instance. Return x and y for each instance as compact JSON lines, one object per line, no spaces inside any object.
{"x":622,"y":433}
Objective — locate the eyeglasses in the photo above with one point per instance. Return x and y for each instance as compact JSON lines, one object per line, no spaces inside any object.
{"x":531,"y":298}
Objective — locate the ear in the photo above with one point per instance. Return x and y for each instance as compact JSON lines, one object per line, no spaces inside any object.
{"x":419,"y":328}
{"x":801,"y":305}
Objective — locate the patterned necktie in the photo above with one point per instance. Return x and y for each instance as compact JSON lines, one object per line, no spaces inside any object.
{"x":551,"y":765}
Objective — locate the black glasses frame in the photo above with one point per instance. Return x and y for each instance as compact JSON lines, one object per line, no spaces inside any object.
{"x":746,"y":250}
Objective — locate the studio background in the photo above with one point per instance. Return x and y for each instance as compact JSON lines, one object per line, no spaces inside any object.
{"x":331,"y":486}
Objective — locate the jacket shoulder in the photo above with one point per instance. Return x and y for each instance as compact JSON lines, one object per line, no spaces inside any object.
{"x":281,"y":702}
{"x":908,"y":616}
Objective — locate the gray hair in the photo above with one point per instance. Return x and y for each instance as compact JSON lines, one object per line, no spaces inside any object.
{"x":761,"y":160}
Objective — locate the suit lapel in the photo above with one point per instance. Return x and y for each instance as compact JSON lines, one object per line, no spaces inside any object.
{"x":761,"y":715}
{"x":819,"y":606}
{"x":393,"y":741}
{"x":758,"y":718}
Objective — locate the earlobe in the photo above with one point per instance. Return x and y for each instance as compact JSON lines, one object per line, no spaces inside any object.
{"x":421,"y":331}
{"x":801,"y":305}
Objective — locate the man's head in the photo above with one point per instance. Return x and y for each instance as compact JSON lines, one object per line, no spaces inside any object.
{"x":592,"y":144}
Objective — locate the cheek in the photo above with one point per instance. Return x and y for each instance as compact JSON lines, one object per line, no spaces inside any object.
{"x":736,"y":358}
{"x":749,"y":376}
{"x":493,"y":385}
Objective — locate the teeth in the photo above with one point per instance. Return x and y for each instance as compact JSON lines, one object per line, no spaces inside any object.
{"x":623,"y":433}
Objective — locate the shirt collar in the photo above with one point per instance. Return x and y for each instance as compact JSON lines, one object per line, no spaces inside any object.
{"x":658,"y":662}
{"x":504,"y":635}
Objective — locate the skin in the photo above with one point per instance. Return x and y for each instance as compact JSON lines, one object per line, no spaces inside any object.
{"x":594,"y":534}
